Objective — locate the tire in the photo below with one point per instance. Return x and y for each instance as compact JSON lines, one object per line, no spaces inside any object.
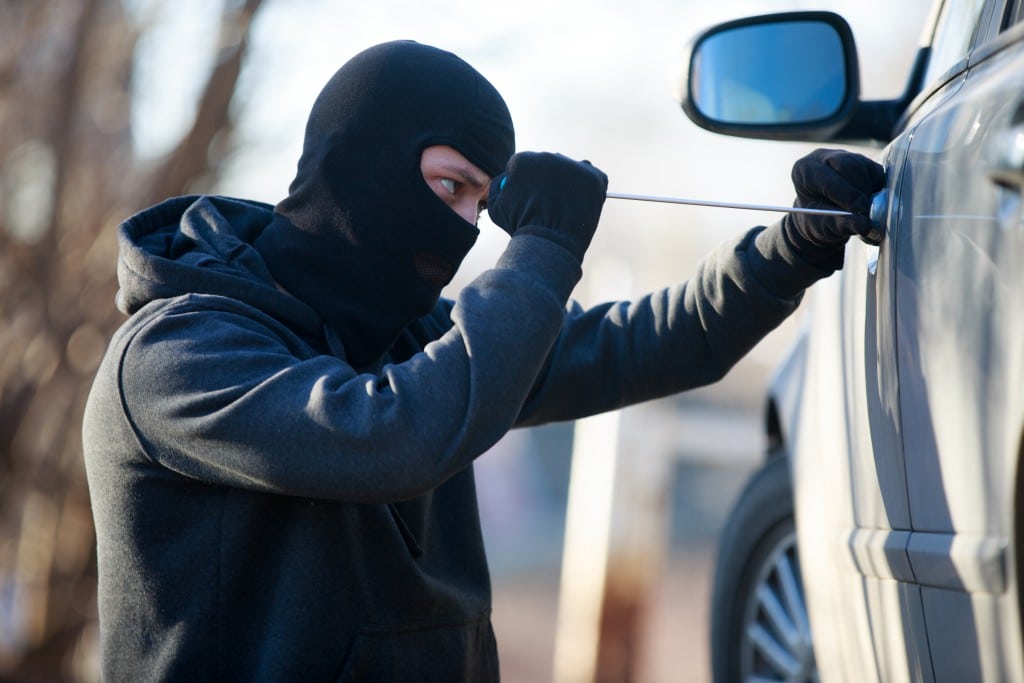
{"x":759,"y":626}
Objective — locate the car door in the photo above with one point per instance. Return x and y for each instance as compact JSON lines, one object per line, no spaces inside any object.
{"x":958,"y":245}
{"x":864,"y":516}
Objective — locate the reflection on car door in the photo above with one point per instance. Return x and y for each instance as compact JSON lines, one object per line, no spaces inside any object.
{"x":958,"y":251}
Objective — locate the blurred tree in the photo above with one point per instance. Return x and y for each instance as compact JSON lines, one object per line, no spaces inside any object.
{"x":68,"y":175}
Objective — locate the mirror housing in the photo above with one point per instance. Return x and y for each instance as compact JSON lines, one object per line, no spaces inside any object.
{"x":787,"y":76}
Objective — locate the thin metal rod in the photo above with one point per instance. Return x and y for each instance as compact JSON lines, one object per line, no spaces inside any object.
{"x":727,"y":205}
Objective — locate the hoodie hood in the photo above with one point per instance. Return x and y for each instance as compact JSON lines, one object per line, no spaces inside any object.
{"x":203,"y":245}
{"x":361,"y":238}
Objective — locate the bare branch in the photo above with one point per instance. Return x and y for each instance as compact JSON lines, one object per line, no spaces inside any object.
{"x":64,"y":71}
{"x":190,"y":159}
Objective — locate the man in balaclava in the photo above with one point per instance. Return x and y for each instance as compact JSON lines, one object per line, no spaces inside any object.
{"x":279,"y":441}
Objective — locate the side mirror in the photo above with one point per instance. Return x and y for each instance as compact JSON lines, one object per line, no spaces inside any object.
{"x":789,"y":76}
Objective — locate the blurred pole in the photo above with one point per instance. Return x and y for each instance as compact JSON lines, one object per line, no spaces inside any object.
{"x":584,"y":559}
{"x":615,"y":539}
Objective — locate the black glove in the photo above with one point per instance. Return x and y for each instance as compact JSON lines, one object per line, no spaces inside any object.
{"x":831,"y":179}
{"x":551,"y":196}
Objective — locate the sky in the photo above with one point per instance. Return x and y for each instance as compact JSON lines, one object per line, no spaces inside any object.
{"x":592,"y":79}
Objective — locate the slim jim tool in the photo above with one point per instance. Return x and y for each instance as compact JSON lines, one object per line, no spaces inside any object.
{"x":726,"y":205}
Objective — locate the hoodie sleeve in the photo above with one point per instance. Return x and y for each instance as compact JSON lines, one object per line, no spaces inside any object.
{"x":674,"y":339}
{"x":217,"y":392}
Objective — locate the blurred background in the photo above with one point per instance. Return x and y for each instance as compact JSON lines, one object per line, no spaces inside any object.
{"x":108,"y":106}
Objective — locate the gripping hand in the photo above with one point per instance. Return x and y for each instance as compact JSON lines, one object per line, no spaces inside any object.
{"x":550,"y":196}
{"x":831,"y":179}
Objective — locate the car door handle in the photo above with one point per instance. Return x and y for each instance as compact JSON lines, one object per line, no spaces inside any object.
{"x":877,"y":216}
{"x":879,"y":227}
{"x":1006,"y":167}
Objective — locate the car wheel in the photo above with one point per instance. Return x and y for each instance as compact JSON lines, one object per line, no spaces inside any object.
{"x":759,"y":626}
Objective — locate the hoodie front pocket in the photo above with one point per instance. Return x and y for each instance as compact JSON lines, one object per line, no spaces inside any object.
{"x":429,"y":652}
{"x":407,"y":535}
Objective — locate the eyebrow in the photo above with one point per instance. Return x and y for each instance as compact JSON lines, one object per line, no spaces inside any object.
{"x":477,"y":181}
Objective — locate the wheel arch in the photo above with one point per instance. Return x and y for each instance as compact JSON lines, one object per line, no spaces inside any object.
{"x":784,"y":396}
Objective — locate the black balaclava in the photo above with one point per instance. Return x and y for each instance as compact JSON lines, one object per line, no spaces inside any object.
{"x":361,"y":237}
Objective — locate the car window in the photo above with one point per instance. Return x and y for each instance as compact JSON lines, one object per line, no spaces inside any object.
{"x":1016,"y":15}
{"x":954,"y":33}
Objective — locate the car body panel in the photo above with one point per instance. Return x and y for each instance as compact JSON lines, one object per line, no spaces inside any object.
{"x":959,"y":331}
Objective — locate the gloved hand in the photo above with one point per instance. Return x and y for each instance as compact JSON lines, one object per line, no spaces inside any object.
{"x":551,"y":196}
{"x":831,"y":179}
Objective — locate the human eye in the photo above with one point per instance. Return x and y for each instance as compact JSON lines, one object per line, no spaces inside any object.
{"x":449,"y":185}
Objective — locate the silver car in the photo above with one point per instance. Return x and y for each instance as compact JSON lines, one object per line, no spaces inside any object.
{"x":882,"y":538}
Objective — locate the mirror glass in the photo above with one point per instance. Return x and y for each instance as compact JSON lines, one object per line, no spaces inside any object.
{"x":770,"y":73}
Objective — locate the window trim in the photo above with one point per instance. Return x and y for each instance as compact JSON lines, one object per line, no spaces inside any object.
{"x":985,"y":42}
{"x":1004,"y":35}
